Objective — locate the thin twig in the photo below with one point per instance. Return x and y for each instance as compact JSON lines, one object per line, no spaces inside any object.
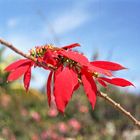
{"x":119,"y":108}
{"x":100,"y":94}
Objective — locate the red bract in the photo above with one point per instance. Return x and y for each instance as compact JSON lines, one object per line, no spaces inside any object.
{"x":49,"y":58}
{"x":16,"y":64}
{"x":101,"y":82}
{"x":64,"y":84}
{"x":18,"y":68}
{"x":117,"y":81}
{"x":107,"y":65}
{"x":27,"y":78}
{"x":49,"y":87}
{"x":90,"y":88}
{"x":71,"y":46}
{"x":14,"y":75}
{"x":70,"y":70}
{"x":99,"y":70}
{"x":75,"y":56}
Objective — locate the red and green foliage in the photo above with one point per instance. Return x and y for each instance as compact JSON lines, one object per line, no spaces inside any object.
{"x":71,"y":69}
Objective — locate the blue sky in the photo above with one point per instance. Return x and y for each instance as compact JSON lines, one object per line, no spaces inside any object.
{"x":111,"y":27}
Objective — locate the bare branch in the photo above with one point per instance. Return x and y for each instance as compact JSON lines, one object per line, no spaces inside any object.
{"x":118,"y":107}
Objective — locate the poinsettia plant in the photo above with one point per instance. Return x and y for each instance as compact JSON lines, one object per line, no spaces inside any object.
{"x":68,"y":70}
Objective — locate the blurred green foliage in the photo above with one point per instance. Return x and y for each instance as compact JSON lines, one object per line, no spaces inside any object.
{"x":26,"y":116}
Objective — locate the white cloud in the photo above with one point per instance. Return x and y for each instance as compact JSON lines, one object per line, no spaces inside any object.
{"x":12,"y":22}
{"x":68,"y":20}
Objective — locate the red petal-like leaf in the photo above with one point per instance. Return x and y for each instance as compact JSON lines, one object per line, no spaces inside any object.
{"x":90,"y":88}
{"x":27,"y":78}
{"x":77,"y":57}
{"x":102,"y":82}
{"x":117,"y":81}
{"x":107,"y":65}
{"x":64,"y":85}
{"x":76,"y":87}
{"x":49,"y":87}
{"x":49,"y":57}
{"x":16,"y":64}
{"x":75,"y":83}
{"x":99,"y":70}
{"x":59,"y":70}
{"x":58,"y":98}
{"x":71,"y":46}
{"x":14,"y":75}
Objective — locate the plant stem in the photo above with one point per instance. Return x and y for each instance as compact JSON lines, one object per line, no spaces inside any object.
{"x":118,"y":107}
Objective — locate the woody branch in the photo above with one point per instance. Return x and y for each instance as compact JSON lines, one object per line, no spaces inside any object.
{"x":118,"y":107}
{"x":100,"y":94}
